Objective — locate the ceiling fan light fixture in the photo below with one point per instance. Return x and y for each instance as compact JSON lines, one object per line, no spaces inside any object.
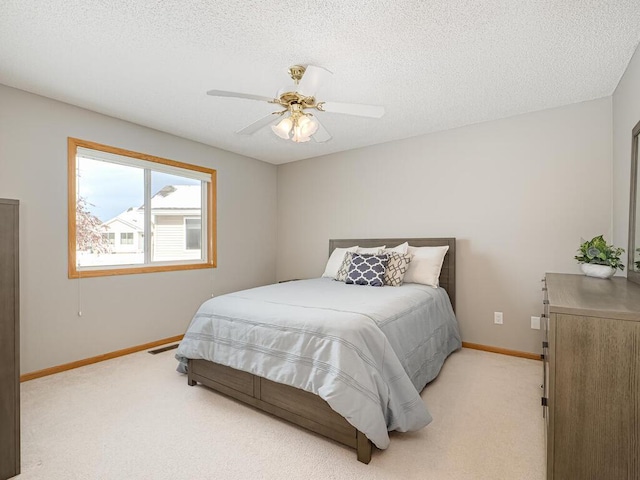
{"x":283,"y":128}
{"x":298,"y":137}
{"x":307,"y":125}
{"x":295,"y":100}
{"x":297,"y":127}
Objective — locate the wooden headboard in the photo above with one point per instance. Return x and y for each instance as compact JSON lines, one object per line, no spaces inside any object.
{"x":448,"y":272}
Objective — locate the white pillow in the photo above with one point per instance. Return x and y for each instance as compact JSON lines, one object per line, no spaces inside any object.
{"x":372,"y":250}
{"x":402,"y":248}
{"x":425,"y":265}
{"x":335,"y":260}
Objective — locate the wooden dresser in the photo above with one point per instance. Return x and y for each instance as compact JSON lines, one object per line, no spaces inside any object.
{"x":591,"y":399}
{"x":9,"y":341}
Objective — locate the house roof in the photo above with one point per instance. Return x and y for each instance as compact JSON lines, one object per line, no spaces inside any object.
{"x":133,"y":217}
{"x":173,"y":197}
{"x":170,"y":197}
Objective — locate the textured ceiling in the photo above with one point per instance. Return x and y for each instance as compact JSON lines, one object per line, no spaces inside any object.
{"x":433,"y":65}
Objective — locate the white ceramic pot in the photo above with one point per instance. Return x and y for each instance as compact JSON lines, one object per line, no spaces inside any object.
{"x":599,"y":271}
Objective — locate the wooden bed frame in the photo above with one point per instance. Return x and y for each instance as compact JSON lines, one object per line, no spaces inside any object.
{"x":298,"y":406}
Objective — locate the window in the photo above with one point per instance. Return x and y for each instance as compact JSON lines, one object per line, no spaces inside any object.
{"x":110,"y":238}
{"x":193,"y":233}
{"x":126,"y":238}
{"x":162,"y":212}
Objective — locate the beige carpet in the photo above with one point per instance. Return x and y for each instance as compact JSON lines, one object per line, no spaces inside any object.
{"x":135,"y":418}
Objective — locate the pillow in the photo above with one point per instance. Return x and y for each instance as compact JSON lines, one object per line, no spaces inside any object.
{"x":402,"y":248}
{"x":372,"y":250}
{"x":343,"y":271}
{"x":396,"y":268}
{"x":335,"y":260}
{"x":367,"y":269}
{"x":425,"y":265}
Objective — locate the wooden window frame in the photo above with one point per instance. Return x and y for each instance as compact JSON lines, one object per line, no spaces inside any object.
{"x":211,"y":240}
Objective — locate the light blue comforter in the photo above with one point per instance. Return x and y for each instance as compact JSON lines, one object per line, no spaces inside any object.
{"x":367,"y":351}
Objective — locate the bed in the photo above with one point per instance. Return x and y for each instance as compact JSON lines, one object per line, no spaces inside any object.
{"x":344,"y":361}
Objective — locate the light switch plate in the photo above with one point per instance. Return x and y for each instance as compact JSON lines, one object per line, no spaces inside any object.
{"x":535,"y":323}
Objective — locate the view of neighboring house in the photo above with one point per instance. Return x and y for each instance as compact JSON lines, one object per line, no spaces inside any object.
{"x":125,"y":233}
{"x":176,"y":229}
{"x":176,"y":223}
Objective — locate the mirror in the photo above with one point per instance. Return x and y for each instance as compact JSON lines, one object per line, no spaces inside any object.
{"x":633,"y":262}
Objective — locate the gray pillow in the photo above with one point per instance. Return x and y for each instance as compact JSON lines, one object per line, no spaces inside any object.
{"x":367,"y":270}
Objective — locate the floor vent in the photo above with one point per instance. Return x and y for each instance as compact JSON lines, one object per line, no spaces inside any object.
{"x":163,"y":349}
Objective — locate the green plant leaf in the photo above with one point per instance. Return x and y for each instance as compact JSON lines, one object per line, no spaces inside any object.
{"x":597,"y":251}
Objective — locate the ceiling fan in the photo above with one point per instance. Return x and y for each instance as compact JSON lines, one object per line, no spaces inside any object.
{"x":297,"y":123}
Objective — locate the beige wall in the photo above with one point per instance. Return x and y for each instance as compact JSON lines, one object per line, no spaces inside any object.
{"x":122,"y":311}
{"x":517,"y":193}
{"x":626,"y":114}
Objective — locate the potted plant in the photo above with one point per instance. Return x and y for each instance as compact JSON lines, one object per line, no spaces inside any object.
{"x":598,"y":259}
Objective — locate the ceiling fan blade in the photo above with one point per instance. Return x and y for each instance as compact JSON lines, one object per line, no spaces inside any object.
{"x":373,"y":111}
{"x":321,"y":134}
{"x":258,"y":124}
{"x":312,"y":79}
{"x":224,"y":93}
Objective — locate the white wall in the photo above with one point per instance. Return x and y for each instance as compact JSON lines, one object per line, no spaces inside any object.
{"x":127,"y":310}
{"x":517,"y":193}
{"x":626,"y":114}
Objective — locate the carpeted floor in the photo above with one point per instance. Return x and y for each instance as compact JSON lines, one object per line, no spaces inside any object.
{"x":135,"y":418}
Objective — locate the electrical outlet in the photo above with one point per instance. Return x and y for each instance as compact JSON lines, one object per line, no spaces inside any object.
{"x":535,"y":323}
{"x":497,"y":318}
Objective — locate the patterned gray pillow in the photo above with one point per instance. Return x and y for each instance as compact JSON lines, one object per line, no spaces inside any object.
{"x":343,"y":271}
{"x":396,"y":268}
{"x":367,"y":269}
